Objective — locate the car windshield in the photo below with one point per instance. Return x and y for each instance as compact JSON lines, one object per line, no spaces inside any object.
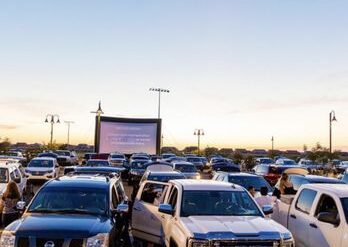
{"x":185,"y":168}
{"x":246,"y":181}
{"x":140,"y":158}
{"x":345,"y":178}
{"x":3,"y":175}
{"x":41,"y":163}
{"x":70,"y":200}
{"x":193,"y":159}
{"x":266,"y":161}
{"x":138,"y":165}
{"x":63,"y":153}
{"x":98,"y":163}
{"x":289,"y":162}
{"x":117,"y":156}
{"x":345,"y":207}
{"x":165,"y":178}
{"x":219,"y":203}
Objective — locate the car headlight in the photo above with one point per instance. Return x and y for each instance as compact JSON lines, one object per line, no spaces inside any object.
{"x":7,"y":239}
{"x":198,"y":243}
{"x":287,"y":240}
{"x":100,"y":240}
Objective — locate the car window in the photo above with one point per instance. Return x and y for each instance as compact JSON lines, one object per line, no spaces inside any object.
{"x":327,"y":205}
{"x":3,"y":175}
{"x":152,"y":193}
{"x":120,"y":192}
{"x":305,"y":200}
{"x":173,"y":198}
{"x":297,"y":181}
{"x":114,"y":198}
{"x":12,"y":175}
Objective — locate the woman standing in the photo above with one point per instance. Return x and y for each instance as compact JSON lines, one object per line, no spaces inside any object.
{"x":9,"y":201}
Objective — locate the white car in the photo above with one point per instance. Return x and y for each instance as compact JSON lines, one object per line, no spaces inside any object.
{"x":285,"y":162}
{"x":11,"y":171}
{"x":42,"y":168}
{"x":317,"y":216}
{"x":117,"y":159}
{"x":203,"y":213}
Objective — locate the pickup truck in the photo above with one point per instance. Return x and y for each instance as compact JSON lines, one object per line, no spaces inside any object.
{"x":316,"y":216}
{"x":202,"y":213}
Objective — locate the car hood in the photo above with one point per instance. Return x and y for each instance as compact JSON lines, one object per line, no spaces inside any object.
{"x":233,"y":227}
{"x":60,"y":226}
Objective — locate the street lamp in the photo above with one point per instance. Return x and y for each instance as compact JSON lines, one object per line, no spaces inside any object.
{"x":68,"y":123}
{"x":54,"y":118}
{"x":199,"y":133}
{"x":98,"y":112}
{"x":332,"y":117}
{"x":272,"y":139}
{"x":159,"y":90}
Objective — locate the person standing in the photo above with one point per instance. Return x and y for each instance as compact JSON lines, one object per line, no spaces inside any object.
{"x":9,"y":201}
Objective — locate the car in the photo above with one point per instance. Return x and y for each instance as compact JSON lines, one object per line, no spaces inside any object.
{"x":162,"y":176}
{"x":245,"y":180}
{"x":16,"y":155}
{"x":117,"y":159}
{"x":42,"y":169}
{"x":205,"y":162}
{"x":271,"y":172}
{"x":309,"y":164}
{"x":48,"y":154}
{"x":202,"y":213}
{"x":86,"y":157}
{"x":12,"y":171}
{"x":345,"y":176}
{"x":66,"y":157}
{"x":285,"y":162}
{"x":298,"y":180}
{"x":264,"y":160}
{"x":175,"y":158}
{"x":196,"y":161}
{"x":136,"y":170}
{"x":139,"y":157}
{"x":167,"y":155}
{"x":105,"y":170}
{"x":98,"y":162}
{"x":188,"y":169}
{"x":342,"y":166}
{"x":317,"y":215}
{"x":74,"y":211}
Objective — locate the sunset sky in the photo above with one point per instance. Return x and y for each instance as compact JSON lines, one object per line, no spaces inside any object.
{"x":241,"y":70}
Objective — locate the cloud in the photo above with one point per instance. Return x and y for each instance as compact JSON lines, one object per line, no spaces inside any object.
{"x":8,"y":126}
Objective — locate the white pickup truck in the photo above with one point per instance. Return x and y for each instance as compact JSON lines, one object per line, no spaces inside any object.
{"x":316,"y":216}
{"x":203,"y":213}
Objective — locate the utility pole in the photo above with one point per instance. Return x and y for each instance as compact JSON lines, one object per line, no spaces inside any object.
{"x":199,"y":133}
{"x":272,"y":139}
{"x":54,"y":118}
{"x":98,"y":112}
{"x":68,"y":123}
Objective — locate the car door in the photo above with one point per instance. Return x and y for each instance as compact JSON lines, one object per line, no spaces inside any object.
{"x":299,"y":217}
{"x":325,"y":234}
{"x":146,"y":221}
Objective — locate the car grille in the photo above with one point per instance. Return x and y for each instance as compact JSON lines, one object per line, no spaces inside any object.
{"x":252,"y":243}
{"x":38,"y":173}
{"x":40,"y":242}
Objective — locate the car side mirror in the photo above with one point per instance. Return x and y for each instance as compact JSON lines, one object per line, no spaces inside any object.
{"x":122,"y":208}
{"x":166,"y":209}
{"x":267,"y":209}
{"x":329,"y":217}
{"x":20,"y":205}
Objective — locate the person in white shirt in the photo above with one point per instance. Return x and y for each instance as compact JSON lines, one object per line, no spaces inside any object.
{"x":264,"y":199}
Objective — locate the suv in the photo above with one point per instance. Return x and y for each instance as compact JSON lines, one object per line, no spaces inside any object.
{"x":42,"y":168}
{"x":11,"y":171}
{"x":117,"y":159}
{"x":298,"y":180}
{"x":271,"y":172}
{"x":73,"y":211}
{"x":67,"y":158}
{"x":244,"y":179}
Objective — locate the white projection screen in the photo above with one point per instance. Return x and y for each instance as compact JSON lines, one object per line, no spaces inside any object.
{"x":128,"y":135}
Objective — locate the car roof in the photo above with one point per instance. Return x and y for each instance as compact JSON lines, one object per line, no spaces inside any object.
{"x":44,"y":158}
{"x":240,"y":174}
{"x":316,"y":178}
{"x":203,"y":184}
{"x":165,"y":173}
{"x":80,"y":181}
{"x":340,"y":190}
{"x":182,"y":163}
{"x":6,"y":164}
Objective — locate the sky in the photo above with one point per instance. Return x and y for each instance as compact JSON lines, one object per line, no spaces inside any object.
{"x":242,"y":70}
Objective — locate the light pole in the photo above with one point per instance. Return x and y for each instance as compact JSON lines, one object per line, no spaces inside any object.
{"x":199,"y":133}
{"x":272,"y":139}
{"x":98,"y":112}
{"x":159,"y":90}
{"x":68,"y":123}
{"x":54,"y":119}
{"x":332,"y":117}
